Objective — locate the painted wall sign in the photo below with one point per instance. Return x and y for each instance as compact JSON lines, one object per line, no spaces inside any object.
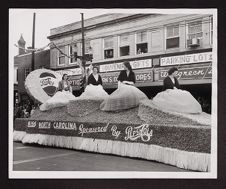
{"x":147,"y":63}
{"x":75,"y":71}
{"x":142,"y":76}
{"x":74,"y":80}
{"x":189,"y":73}
{"x":186,"y":59}
{"x":42,"y":84}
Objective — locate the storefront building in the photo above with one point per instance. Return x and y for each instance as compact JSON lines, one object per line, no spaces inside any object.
{"x":152,"y":43}
{"x":22,"y":67}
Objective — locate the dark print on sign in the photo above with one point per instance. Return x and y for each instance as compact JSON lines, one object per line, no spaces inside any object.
{"x":41,"y":84}
{"x":47,"y":83}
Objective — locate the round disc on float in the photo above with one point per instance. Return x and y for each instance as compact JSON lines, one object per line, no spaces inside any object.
{"x":42,"y":84}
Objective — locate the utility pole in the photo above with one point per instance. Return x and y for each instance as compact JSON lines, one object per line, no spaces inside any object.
{"x":33,"y":45}
{"x":83,"y":78}
{"x":83,"y":43}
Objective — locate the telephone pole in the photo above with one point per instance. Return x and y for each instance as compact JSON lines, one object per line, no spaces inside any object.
{"x":83,"y":43}
{"x":33,"y":45}
{"x":83,"y":78}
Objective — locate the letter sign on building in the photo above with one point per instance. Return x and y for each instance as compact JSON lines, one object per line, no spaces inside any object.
{"x":186,"y":59}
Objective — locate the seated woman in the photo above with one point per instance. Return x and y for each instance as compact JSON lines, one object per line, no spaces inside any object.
{"x":175,"y":99}
{"x":61,"y":97}
{"x":94,"y":87}
{"x":127,"y":95}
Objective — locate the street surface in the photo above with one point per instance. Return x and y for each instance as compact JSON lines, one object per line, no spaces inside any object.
{"x":42,"y":158}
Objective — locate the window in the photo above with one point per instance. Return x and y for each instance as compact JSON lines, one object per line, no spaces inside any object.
{"x":88,"y":51}
{"x":61,"y":57}
{"x":124,"y":45}
{"x":195,"y":30}
{"x":124,"y":51}
{"x":73,"y":50}
{"x":87,"y":47}
{"x":15,"y":75}
{"x":172,"y":37}
{"x":211,"y":31}
{"x":141,"y":42}
{"x":26,"y":72}
{"x":108,"y":48}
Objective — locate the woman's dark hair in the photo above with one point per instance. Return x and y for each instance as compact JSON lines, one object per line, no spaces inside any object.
{"x":127,"y":64}
{"x":96,"y":68}
{"x":63,"y":76}
{"x":171,"y":70}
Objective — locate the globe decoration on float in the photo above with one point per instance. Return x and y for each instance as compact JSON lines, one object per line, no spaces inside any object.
{"x":41,"y":84}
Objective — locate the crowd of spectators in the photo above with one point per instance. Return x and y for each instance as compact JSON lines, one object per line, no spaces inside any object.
{"x":205,"y":103}
{"x":24,"y":109}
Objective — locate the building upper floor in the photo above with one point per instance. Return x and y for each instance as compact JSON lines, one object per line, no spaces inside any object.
{"x":115,"y":37}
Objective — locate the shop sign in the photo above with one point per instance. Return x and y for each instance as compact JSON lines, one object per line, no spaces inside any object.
{"x":136,"y":64}
{"x":189,"y":73}
{"x":74,"y":80}
{"x":186,"y":59}
{"x":75,"y":71}
{"x":122,"y":132}
{"x":142,"y":76}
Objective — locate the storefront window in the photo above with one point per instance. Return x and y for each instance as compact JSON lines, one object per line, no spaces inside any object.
{"x":108,"y":48}
{"x":141,"y":42}
{"x":172,"y":37}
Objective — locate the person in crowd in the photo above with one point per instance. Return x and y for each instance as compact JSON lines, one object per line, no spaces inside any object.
{"x":126,"y":95}
{"x":173,"y":98}
{"x":28,"y":107}
{"x":20,"y":113}
{"x":15,"y":112}
{"x":94,"y":87}
{"x":61,"y":97}
{"x":25,"y":112}
{"x":32,"y":110}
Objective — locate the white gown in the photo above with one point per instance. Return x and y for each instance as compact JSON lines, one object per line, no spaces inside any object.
{"x":177,"y":100}
{"x":94,"y":92}
{"x":61,"y":98}
{"x":125,"y":97}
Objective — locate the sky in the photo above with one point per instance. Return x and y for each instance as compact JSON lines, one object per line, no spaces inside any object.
{"x":21,"y":22}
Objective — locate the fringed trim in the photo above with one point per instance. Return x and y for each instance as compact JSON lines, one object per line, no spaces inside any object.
{"x":182,"y":159}
{"x":18,"y":135}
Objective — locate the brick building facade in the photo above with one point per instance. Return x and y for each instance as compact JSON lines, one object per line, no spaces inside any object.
{"x":151,"y":42}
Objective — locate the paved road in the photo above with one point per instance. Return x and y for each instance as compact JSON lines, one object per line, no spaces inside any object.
{"x":41,"y":158}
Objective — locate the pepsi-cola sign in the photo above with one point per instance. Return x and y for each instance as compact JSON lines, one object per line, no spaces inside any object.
{"x":42,"y":84}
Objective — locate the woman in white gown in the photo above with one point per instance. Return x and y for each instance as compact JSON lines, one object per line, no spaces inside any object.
{"x":127,"y":95}
{"x":61,"y":97}
{"x":175,"y":99}
{"x":94,"y":87}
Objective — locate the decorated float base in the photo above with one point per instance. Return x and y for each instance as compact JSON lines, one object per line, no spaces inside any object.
{"x":143,"y":132}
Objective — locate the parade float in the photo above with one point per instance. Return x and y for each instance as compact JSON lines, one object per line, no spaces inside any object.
{"x":147,"y":132}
